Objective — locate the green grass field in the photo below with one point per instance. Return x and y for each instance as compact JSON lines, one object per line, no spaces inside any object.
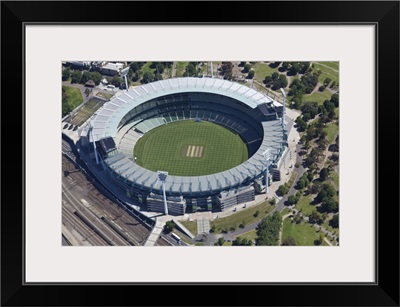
{"x":250,"y":235}
{"x":74,"y":96}
{"x":243,"y":215}
{"x":191,"y":226}
{"x":262,"y":70}
{"x":180,"y":68}
{"x":331,"y":130}
{"x":328,"y":70}
{"x":305,"y":206}
{"x":304,"y":234}
{"x":318,"y":96}
{"x":86,"y":111}
{"x":189,"y":148}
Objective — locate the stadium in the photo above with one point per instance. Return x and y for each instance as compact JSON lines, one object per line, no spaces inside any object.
{"x":201,"y":141}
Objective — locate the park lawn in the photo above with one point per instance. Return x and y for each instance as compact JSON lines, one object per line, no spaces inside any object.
{"x":326,"y":71}
{"x":250,"y":235}
{"x":335,"y":178}
{"x":332,"y":130}
{"x":332,"y":65}
{"x":304,"y":205}
{"x":284,"y":212}
{"x":337,"y":112}
{"x":146,"y":67}
{"x":245,"y":215}
{"x":180,"y":68}
{"x":74,"y":96}
{"x":262,"y":70}
{"x":326,"y":225}
{"x":226,"y":243}
{"x":318,"y":96}
{"x":303,"y":233}
{"x":191,"y":226}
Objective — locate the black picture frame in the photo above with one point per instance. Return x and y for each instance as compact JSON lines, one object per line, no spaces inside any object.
{"x":383,"y":14}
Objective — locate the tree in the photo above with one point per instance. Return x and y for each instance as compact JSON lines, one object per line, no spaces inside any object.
{"x":283,"y":189}
{"x":136,"y":66}
{"x":330,"y":205}
{"x":226,"y":69}
{"x":221,"y":241}
{"x":190,"y":70}
{"x":148,"y":77}
{"x":315,"y":218}
{"x":321,"y":88}
{"x":334,"y":222}
{"x":335,"y":99}
{"x":256,"y":213}
{"x":239,"y":241}
{"x":283,"y":81}
{"x":169,"y":226}
{"x":329,"y":106}
{"x":246,"y":68}
{"x":66,"y":73}
{"x":160,"y":68}
{"x":292,"y":199}
{"x":323,"y":174}
{"x":213,"y":229}
{"x":268,"y":81}
{"x":321,"y":238}
{"x":116,"y":81}
{"x":294,"y":69}
{"x":268,"y":230}
{"x":310,"y":108}
{"x":327,"y":81}
{"x":309,"y":81}
{"x":297,"y":219}
{"x":76,"y":76}
{"x":66,"y":108}
{"x":85,"y":77}
{"x":241,"y":64}
{"x":96,"y":77}
{"x":289,"y":241}
{"x":251,"y":74}
{"x":285,"y":66}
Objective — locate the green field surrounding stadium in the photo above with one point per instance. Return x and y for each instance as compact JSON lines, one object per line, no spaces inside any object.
{"x":189,"y":148}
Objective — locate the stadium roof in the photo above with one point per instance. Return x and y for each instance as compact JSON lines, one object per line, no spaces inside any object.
{"x":105,"y":121}
{"x":138,"y":176}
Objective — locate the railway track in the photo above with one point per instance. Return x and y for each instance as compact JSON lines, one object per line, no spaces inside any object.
{"x":125,"y":229}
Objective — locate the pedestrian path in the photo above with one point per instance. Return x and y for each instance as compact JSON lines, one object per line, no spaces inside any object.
{"x":203,"y":222}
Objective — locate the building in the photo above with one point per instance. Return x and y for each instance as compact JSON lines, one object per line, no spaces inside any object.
{"x":135,"y":112}
{"x":112,"y":69}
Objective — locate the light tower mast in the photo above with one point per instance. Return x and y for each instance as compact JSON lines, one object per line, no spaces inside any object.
{"x":266,"y":155}
{"x":124,"y":73}
{"x":284,"y":108}
{"x":94,"y":142}
{"x":162,"y":176}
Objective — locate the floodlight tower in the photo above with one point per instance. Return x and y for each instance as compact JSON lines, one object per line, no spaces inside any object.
{"x":124,"y":73}
{"x":94,"y":142}
{"x":266,"y":155}
{"x":284,"y":108}
{"x":162,"y":176}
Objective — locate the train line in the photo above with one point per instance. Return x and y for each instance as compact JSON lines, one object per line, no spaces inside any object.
{"x":77,"y":225}
{"x":100,"y":213}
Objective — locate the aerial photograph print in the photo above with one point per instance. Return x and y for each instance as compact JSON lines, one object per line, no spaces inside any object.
{"x":206,"y":153}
